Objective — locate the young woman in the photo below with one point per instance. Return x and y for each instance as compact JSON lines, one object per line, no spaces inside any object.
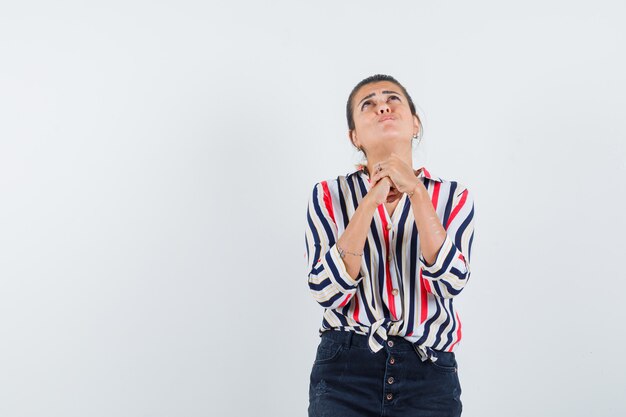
{"x":388,"y":249}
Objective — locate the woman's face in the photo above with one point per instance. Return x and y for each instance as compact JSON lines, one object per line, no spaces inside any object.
{"x":382,"y":119}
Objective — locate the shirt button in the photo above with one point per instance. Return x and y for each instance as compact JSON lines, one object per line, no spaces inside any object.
{"x":390,"y":343}
{"x":394,"y":291}
{"x":390,"y":396}
{"x":390,"y":380}
{"x":389,"y":258}
{"x":392,"y":360}
{"x":389,"y":227}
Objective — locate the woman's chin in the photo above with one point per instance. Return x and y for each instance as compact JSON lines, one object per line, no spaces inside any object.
{"x":395,"y":137}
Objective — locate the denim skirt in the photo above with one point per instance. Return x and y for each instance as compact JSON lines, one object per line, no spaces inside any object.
{"x":348,"y":380}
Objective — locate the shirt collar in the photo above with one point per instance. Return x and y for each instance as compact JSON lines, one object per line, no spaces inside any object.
{"x":423,"y":172}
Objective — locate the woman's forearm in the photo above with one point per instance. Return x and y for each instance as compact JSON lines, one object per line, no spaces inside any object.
{"x":429,"y":227}
{"x":353,"y":238}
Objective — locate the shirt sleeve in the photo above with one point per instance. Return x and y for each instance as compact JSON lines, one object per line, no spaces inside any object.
{"x":449,"y":274}
{"x":329,"y":281}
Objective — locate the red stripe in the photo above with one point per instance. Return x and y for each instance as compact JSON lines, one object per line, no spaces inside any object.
{"x":344,"y":302}
{"x":356,"y":309}
{"x":328,"y":201}
{"x":458,"y":333}
{"x":457,"y":208}
{"x":423,"y":298}
{"x":436,"y":194}
{"x":390,"y":297}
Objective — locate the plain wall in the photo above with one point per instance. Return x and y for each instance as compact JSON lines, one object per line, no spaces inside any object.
{"x":156,"y":159}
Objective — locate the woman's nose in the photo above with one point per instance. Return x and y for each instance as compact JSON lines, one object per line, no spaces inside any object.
{"x":383,"y":108}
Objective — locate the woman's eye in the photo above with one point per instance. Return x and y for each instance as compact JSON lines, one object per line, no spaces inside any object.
{"x":364,"y":104}
{"x":394,"y":97}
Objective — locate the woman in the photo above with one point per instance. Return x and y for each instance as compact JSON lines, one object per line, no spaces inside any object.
{"x":388,"y":249}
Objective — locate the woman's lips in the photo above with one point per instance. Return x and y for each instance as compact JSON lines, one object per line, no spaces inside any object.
{"x":383,"y":119}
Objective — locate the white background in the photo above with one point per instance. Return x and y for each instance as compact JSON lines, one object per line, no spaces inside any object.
{"x":156,"y":159}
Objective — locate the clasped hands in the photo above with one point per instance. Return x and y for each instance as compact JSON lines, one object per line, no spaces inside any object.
{"x":391,"y":178}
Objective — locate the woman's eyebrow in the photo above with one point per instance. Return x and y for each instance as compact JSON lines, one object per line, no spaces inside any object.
{"x":373,"y":94}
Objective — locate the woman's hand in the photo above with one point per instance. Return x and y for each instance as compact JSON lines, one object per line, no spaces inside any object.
{"x":383,"y":192}
{"x":401,"y":175}
{"x":380,"y":191}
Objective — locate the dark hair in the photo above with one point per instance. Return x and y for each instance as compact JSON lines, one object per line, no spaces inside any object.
{"x":374,"y":79}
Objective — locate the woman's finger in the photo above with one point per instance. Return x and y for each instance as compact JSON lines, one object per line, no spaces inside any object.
{"x":376,"y":177}
{"x":386,"y":172}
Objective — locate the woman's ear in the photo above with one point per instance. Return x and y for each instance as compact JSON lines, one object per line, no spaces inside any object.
{"x":353,"y":139}
{"x":417,"y":126}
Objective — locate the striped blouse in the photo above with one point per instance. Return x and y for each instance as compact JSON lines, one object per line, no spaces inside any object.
{"x":396,"y":292}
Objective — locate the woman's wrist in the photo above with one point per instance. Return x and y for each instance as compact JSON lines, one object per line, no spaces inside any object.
{"x":369,"y":202}
{"x":416,"y":190}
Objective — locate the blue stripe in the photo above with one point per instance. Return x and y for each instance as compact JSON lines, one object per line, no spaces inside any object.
{"x":380,"y":274}
{"x":444,"y":324}
{"x":355,"y":204}
{"x":306,"y":245}
{"x":318,"y":269}
{"x":448,"y":286}
{"x":367,"y":257}
{"x":322,"y":219}
{"x":345,"y":310}
{"x":469,"y":249}
{"x":318,"y":287}
{"x":342,"y":205}
{"x":449,"y":335}
{"x":448,"y":210}
{"x":364,"y":305}
{"x":459,"y":234}
{"x":378,"y":338}
{"x":335,"y":272}
{"x":316,"y":239}
{"x":341,"y":318}
{"x":457,"y":272}
{"x":428,"y":324}
{"x":328,"y":303}
{"x":444,"y":267}
{"x":362,"y":186}
{"x":400,"y":233}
